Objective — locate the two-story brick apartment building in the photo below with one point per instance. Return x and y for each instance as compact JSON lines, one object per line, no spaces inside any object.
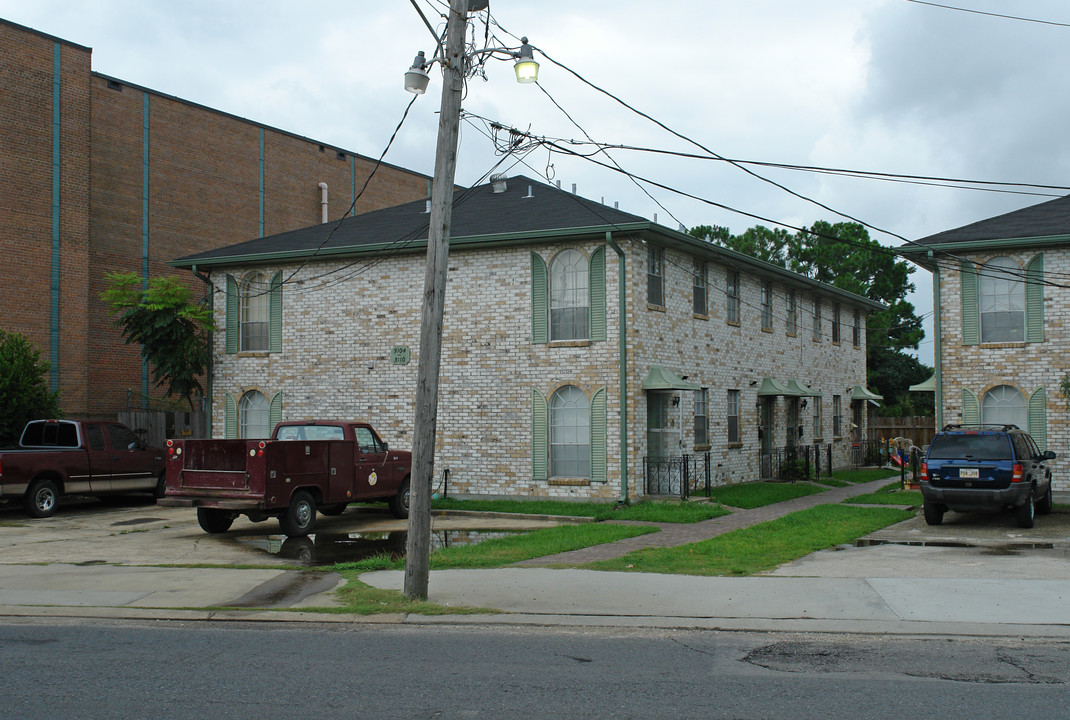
{"x":579,"y":341}
{"x":1001,"y":288}
{"x":99,"y":175}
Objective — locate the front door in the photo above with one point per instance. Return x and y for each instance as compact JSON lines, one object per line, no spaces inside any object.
{"x":664,"y":452}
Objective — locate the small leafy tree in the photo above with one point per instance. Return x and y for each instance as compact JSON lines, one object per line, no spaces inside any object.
{"x":24,"y":395}
{"x":170,"y":328}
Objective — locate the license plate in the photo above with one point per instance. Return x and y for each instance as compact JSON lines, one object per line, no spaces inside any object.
{"x":968,"y":473}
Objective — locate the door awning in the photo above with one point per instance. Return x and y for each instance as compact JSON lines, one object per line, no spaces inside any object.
{"x":773,"y":387}
{"x":863,"y":393}
{"x":660,"y":378}
{"x":925,"y":385}
{"x":797,"y":388}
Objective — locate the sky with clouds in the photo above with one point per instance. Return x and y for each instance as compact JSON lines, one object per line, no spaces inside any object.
{"x":888,"y":86}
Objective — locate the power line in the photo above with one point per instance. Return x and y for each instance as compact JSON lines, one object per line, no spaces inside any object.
{"x":990,"y":14}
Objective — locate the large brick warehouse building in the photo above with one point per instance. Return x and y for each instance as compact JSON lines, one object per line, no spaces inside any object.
{"x":98,"y":175}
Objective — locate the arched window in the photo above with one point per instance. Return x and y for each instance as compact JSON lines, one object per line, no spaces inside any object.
{"x":254,"y":415}
{"x":569,"y":311}
{"x":1005,"y":405}
{"x":1001,"y":295}
{"x":255,"y":312}
{"x":570,"y":433}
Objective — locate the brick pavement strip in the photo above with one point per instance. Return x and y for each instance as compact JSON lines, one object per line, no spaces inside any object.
{"x":673,"y":534}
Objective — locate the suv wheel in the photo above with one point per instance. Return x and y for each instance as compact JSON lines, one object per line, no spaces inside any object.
{"x":934,"y":513}
{"x":1026,"y":512}
{"x":1045,"y":504}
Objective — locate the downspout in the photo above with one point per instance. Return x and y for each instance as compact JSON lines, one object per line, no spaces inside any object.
{"x":622,"y":302}
{"x":323,"y":202}
{"x":937,"y":374}
{"x":211,"y":354}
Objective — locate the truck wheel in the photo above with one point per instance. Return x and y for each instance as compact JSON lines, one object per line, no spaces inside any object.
{"x":41,"y":499}
{"x":299,"y":518}
{"x":399,"y":504}
{"x":934,"y":513}
{"x":213,"y":521}
{"x":161,"y":485}
{"x":1026,"y":512}
{"x":1044,"y":506}
{"x":335,"y":509}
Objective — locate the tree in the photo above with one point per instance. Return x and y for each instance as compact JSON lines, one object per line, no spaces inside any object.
{"x":169,"y":327}
{"x":24,"y":395}
{"x":844,"y":255}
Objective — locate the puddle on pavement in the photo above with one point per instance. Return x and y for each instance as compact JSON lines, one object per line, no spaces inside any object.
{"x":136,"y":521}
{"x":330,"y":548}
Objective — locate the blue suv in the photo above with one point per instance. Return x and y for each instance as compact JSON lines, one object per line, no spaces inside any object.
{"x":986,"y":467}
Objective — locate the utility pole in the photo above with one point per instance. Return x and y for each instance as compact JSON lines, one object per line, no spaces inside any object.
{"x":418,"y":544}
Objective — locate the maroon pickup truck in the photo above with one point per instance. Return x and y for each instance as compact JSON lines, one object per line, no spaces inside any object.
{"x":305,"y":467}
{"x":77,"y":457}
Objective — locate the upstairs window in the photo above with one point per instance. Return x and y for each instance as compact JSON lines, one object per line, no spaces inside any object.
{"x":699,"y":293}
{"x":655,"y":291}
{"x":767,"y":305}
{"x":569,"y":311}
{"x":732,"y":296}
{"x":255,"y":312}
{"x":1001,"y":295}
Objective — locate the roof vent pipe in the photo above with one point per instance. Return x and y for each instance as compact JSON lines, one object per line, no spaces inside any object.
{"x":616,"y":204}
{"x":558,"y":184}
{"x":530,"y":194}
{"x":573,"y":188}
{"x":497,"y":183}
{"x":427,"y":207}
{"x":323,"y":202}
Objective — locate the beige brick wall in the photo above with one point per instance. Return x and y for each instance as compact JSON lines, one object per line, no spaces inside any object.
{"x":339,"y":328}
{"x":1025,"y":366}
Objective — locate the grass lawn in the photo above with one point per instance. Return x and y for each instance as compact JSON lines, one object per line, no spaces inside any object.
{"x":669,"y":512}
{"x":761,"y":547}
{"x":758,"y":494}
{"x":864,"y":475}
{"x":891,"y":494}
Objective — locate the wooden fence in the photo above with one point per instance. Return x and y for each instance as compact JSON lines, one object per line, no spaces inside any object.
{"x":920,"y":429}
{"x":160,"y":425}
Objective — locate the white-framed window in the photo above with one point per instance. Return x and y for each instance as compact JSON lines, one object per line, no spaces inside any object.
{"x":701,"y":418}
{"x":817,"y":319}
{"x":837,"y":417}
{"x":792,"y":313}
{"x":732,"y":416}
{"x":767,"y":305}
{"x":1005,"y":405}
{"x":655,"y":271}
{"x":570,"y":433}
{"x":255,"y":312}
{"x":731,"y":296}
{"x":254,"y":415}
{"x":1001,"y":296}
{"x":699,"y":272}
{"x":836,"y":323}
{"x":569,"y":311}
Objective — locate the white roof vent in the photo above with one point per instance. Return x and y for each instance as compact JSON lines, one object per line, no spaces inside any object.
{"x":497,"y":183}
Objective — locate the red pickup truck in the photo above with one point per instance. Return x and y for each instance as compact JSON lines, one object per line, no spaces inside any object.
{"x":77,"y":457}
{"x":305,"y":467}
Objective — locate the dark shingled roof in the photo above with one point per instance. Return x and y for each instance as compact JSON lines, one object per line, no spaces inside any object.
{"x":1046,"y":220}
{"x":527,"y":207}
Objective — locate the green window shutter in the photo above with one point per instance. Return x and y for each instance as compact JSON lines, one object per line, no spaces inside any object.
{"x":598,"y":436}
{"x":233,"y":319}
{"x":540,"y":332}
{"x":540,"y":436}
{"x":275,"y":410}
{"x":971,"y":409}
{"x":230,"y":416}
{"x":1034,"y":301}
{"x":971,"y":319}
{"x":596,"y":292}
{"x":275,"y":314}
{"x":1038,"y":418}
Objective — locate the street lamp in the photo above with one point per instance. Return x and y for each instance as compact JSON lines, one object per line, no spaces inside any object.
{"x":455,"y":66}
